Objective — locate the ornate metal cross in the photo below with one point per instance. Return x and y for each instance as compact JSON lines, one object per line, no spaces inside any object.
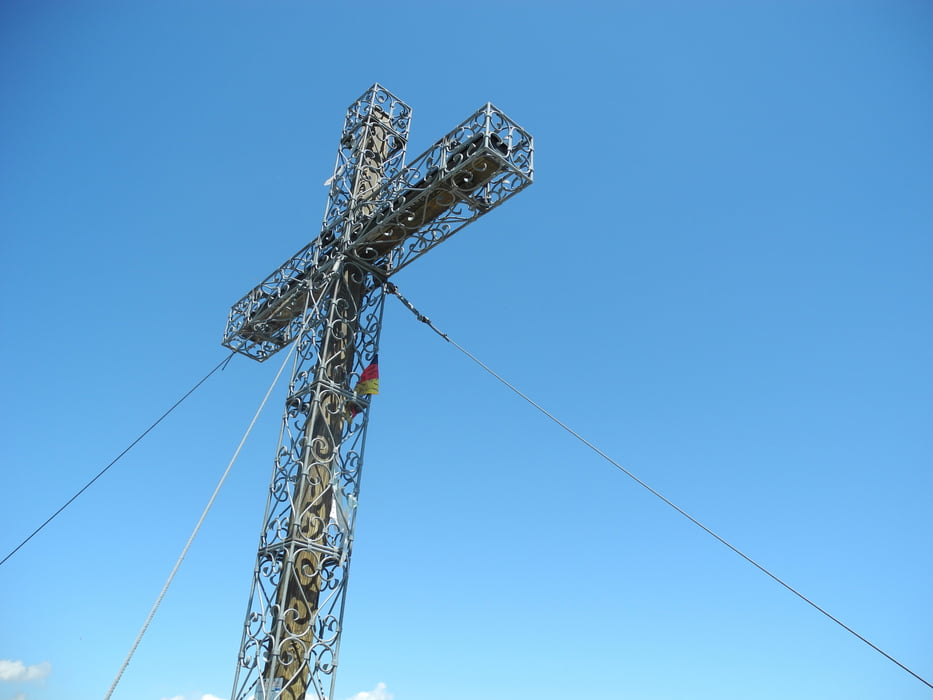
{"x":381,"y":215}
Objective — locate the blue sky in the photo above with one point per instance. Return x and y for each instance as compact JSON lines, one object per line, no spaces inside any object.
{"x":721,"y":276}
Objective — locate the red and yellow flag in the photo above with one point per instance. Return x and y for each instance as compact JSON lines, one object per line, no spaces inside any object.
{"x":368,"y":384}
{"x":369,"y":379}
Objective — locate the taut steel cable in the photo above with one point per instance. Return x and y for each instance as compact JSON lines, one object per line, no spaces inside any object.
{"x":424,"y":319}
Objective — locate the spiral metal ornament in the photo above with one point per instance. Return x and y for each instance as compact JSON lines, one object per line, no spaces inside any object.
{"x":381,"y":214}
{"x":291,"y":636}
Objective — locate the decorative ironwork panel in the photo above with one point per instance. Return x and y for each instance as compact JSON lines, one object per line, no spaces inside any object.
{"x":372,"y":149}
{"x":391,"y":216}
{"x":271,"y":315}
{"x":481,"y":163}
{"x":292,"y":630}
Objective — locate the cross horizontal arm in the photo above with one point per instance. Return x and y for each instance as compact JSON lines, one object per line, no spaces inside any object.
{"x":481,"y":163}
{"x":269,"y":317}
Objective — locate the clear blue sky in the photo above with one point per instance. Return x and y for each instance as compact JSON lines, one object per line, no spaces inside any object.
{"x":721,"y":276}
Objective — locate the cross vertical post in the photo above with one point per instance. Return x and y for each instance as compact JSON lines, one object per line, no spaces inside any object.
{"x":381,"y":215}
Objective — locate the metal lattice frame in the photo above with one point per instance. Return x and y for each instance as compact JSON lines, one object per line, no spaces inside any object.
{"x":476,"y":167}
{"x":295,"y":615}
{"x":381,"y":215}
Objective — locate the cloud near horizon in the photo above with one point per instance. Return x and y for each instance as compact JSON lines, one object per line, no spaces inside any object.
{"x":377,"y":693}
{"x":17,"y":671}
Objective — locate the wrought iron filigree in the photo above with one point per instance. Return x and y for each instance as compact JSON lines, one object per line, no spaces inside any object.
{"x":482,"y":162}
{"x":381,"y":215}
{"x":291,"y":637}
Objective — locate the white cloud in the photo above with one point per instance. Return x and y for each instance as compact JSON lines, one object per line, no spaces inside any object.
{"x":17,"y":671}
{"x":378,"y":693}
{"x":19,"y":696}
{"x":206,"y":696}
{"x":210,"y":697}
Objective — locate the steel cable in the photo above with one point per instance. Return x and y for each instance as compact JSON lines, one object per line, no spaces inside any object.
{"x":117,"y":458}
{"x":424,"y":319}
{"x":197,"y":526}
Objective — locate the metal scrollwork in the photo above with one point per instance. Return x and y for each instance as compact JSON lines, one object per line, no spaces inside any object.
{"x":381,"y":214}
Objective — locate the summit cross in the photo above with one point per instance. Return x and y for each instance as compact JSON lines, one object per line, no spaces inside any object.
{"x":381,"y":215}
